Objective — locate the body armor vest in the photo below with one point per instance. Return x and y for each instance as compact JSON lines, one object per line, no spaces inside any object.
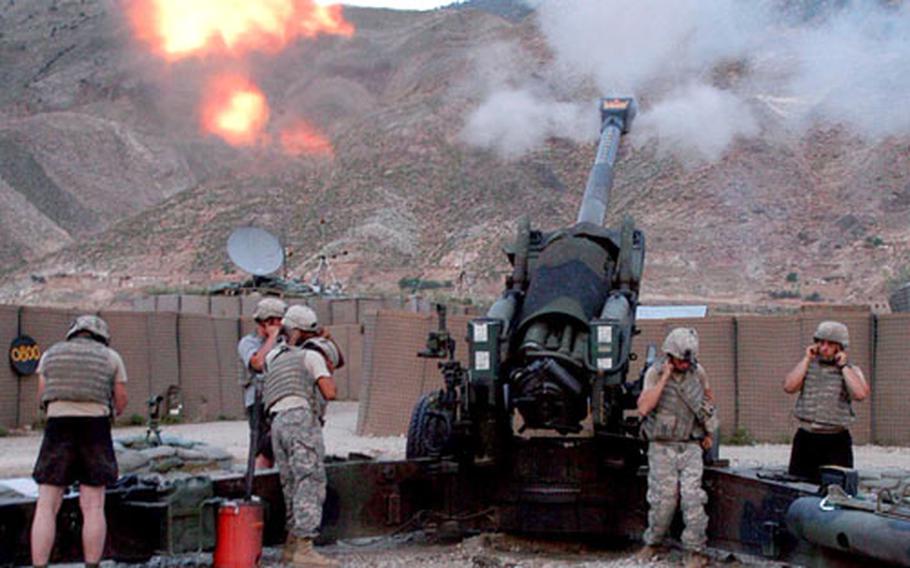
{"x":288,"y":376}
{"x":78,"y":370}
{"x":824,"y":398}
{"x":681,"y":412}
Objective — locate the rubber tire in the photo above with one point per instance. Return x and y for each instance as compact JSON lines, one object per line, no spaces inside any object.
{"x":430,"y":429}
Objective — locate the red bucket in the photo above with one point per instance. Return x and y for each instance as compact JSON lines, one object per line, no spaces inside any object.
{"x":239,"y":538}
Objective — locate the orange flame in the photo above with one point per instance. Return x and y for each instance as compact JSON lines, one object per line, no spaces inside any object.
{"x":182,"y":28}
{"x":301,"y":138}
{"x":235,"y":109}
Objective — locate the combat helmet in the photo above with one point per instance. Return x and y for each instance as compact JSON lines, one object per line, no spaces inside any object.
{"x":269,"y":308}
{"x":300,"y":317}
{"x":682,"y":343}
{"x":92,"y":324}
{"x":833,"y":331}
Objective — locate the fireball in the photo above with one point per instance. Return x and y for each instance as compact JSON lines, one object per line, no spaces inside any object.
{"x":176,"y":29}
{"x":232,"y":106}
{"x":235,"y":109}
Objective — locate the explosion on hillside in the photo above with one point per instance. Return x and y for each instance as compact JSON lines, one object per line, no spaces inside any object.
{"x":176,"y":29}
{"x":235,"y":109}
{"x":232,"y":106}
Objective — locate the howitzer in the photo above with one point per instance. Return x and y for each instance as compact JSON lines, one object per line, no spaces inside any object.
{"x":554,"y":349}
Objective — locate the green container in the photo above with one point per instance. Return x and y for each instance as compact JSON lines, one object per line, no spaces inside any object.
{"x":184,"y":513}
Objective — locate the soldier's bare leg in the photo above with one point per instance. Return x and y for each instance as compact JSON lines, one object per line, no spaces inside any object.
{"x":44,"y":525}
{"x":94,"y":525}
{"x":693,"y":499}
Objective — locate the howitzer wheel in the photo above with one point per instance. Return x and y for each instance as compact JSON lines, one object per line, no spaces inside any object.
{"x":430,"y":430}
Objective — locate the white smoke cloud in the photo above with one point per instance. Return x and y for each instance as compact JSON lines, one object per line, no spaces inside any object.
{"x":626,"y":44}
{"x":514,"y":121}
{"x":696,"y":123}
{"x":855,"y":70}
{"x":809,"y":63}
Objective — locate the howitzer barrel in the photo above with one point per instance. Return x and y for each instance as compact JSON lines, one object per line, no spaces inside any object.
{"x":616,"y":118}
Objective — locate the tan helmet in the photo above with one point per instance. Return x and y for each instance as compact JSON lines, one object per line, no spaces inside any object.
{"x":92,"y":324}
{"x":329,"y":350}
{"x":269,"y":308}
{"x":833,"y":331}
{"x":300,"y":317}
{"x":682,"y":343}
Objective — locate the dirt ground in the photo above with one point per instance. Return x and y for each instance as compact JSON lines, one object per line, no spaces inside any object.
{"x":17,"y":455}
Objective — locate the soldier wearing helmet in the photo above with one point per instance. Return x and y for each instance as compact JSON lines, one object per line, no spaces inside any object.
{"x":81,"y":383}
{"x":252,"y":350}
{"x":298,"y":382}
{"x":679,"y":420}
{"x":827,"y":384}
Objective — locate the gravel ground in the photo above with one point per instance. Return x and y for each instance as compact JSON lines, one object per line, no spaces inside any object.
{"x":18,"y":452}
{"x":484,"y":551}
{"x":17,"y":455}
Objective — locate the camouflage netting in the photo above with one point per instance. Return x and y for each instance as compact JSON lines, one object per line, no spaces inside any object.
{"x":136,"y":456}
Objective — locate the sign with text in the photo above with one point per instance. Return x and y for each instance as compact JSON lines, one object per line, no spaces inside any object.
{"x":24,"y":354}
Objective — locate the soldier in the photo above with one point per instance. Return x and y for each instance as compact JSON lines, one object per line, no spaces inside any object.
{"x":298,"y":383}
{"x":252,"y":350}
{"x":827,"y":383}
{"x":80,"y":382}
{"x":678,"y":408}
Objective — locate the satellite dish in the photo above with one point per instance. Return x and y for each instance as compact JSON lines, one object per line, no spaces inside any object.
{"x":255,"y":250}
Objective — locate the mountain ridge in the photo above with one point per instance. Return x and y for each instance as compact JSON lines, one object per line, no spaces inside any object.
{"x":780,"y":218}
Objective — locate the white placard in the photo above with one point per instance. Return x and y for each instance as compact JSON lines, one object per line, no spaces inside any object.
{"x":482,"y":361}
{"x":604,"y":363}
{"x":480,"y":333}
{"x":604,"y":334}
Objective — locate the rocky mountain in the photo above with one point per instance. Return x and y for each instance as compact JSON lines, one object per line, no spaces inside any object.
{"x":108,"y":189}
{"x":514,"y":10}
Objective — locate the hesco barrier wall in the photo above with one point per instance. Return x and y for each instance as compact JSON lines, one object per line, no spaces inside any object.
{"x":196,"y":352}
{"x":331,"y":311}
{"x":891,"y":390}
{"x":394,"y":377}
{"x":746,"y":359}
{"x":9,"y":394}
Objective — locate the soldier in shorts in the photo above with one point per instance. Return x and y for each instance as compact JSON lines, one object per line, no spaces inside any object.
{"x":298,"y":382}
{"x":252,"y":350}
{"x":679,"y":413}
{"x":827,"y":384}
{"x":82,"y":382}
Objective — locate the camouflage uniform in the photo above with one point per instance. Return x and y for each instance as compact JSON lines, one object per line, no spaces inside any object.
{"x":674,"y":475}
{"x":294,"y":397}
{"x":299,"y":455}
{"x":675,"y":428}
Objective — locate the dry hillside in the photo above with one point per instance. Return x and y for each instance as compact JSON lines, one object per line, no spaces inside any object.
{"x":107,"y":187}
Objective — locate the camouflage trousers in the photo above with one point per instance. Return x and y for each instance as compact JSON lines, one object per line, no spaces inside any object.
{"x":299,"y":456}
{"x":674,"y":475}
